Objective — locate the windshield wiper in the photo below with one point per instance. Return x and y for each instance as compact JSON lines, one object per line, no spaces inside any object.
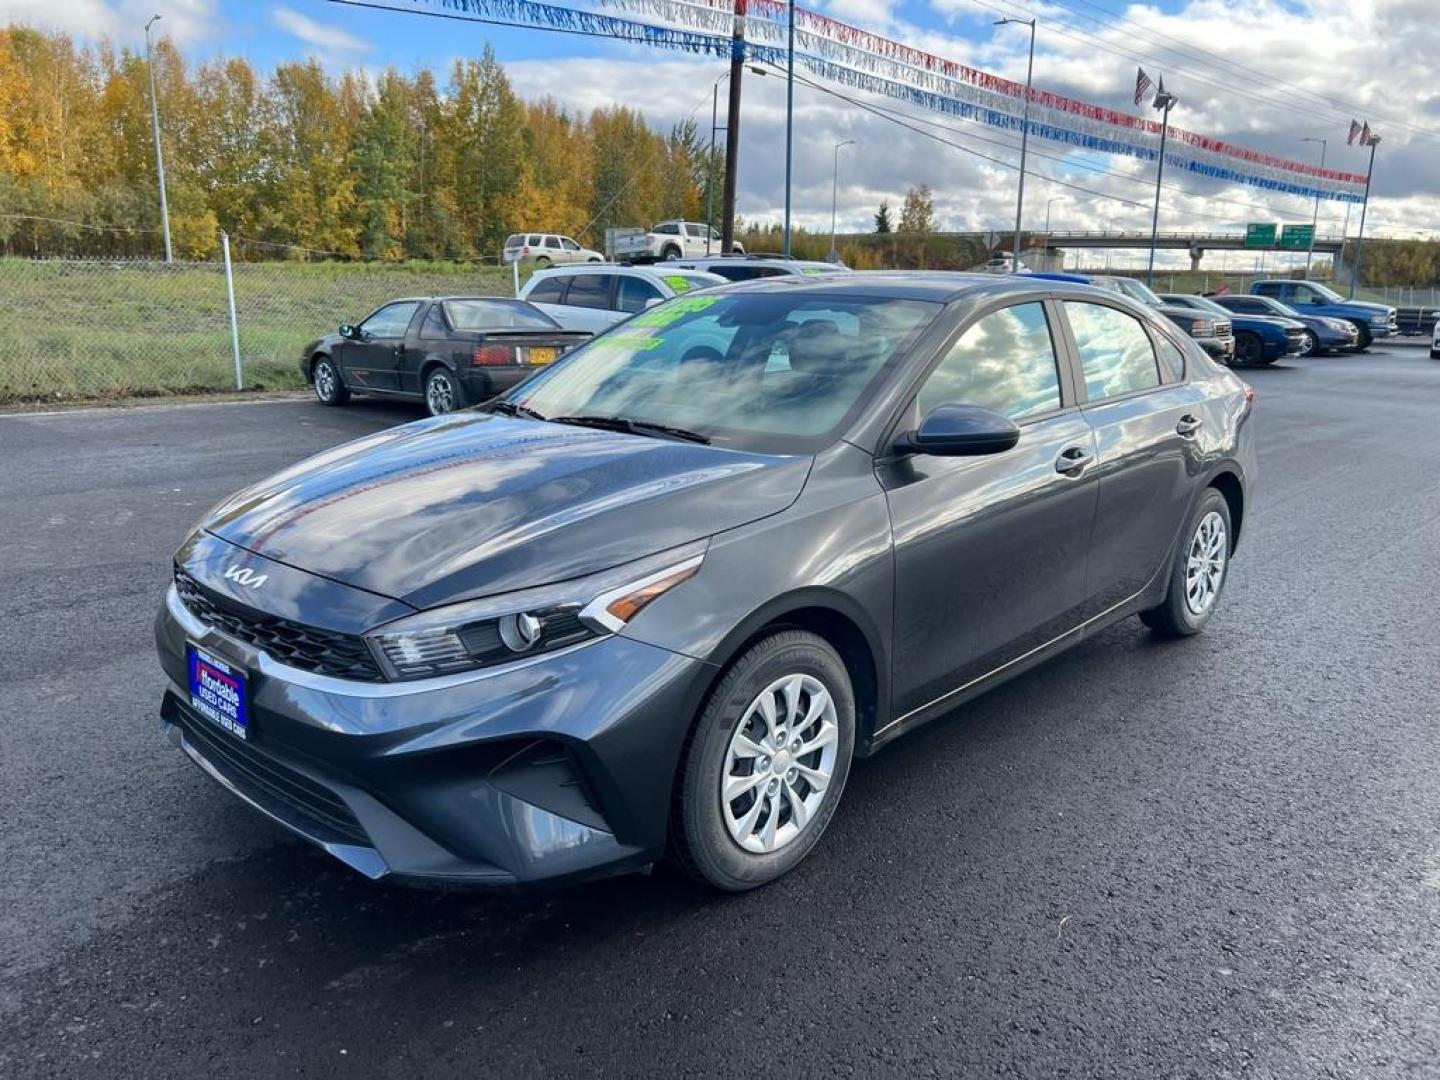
{"x":509,"y":408}
{"x":632,"y":427}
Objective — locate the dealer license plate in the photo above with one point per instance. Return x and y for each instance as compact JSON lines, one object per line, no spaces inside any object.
{"x":218,"y":692}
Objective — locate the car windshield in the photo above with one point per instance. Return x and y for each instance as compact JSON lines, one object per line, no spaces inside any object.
{"x":774,"y":372}
{"x":1200,"y":303}
{"x":1138,"y":291}
{"x":497,"y":314}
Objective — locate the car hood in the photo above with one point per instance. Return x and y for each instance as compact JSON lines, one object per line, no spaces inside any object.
{"x":471,"y":504}
{"x":1283,"y":322}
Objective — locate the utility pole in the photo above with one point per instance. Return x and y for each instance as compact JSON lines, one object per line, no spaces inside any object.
{"x":155,"y":127}
{"x":1024,"y":136}
{"x":834,"y":197}
{"x":732,"y":129}
{"x":710,"y":161}
{"x":789,"y":123}
{"x":1365,"y":206}
{"x":1165,"y":102}
{"x":1315,"y":218}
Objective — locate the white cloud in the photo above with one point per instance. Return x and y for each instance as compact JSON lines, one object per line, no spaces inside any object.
{"x":186,"y":22}
{"x":328,"y":39}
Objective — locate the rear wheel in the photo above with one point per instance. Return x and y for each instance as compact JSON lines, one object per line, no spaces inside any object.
{"x":1201,"y":566}
{"x":325,"y":377}
{"x":443,"y":392}
{"x":765,"y":764}
{"x":542,"y":262}
{"x":670,"y":252}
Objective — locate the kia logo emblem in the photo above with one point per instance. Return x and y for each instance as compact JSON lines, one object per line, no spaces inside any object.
{"x":243,"y":575}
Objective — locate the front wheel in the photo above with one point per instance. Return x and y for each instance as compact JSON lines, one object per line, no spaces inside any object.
{"x":1198,"y":575}
{"x":1249,"y":352}
{"x":766,"y":763}
{"x":1363,"y":341}
{"x":1311,"y":345}
{"x":443,"y":392}
{"x":329,"y":390}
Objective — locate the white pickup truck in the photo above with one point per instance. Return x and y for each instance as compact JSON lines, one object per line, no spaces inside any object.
{"x":669,"y":240}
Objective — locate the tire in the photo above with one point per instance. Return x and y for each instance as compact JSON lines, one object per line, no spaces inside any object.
{"x":670,"y":252}
{"x":1177,"y":616}
{"x":542,"y":261}
{"x":443,"y":392}
{"x":1435,"y":354}
{"x":325,"y":378}
{"x":1312,"y":344}
{"x":707,"y":832}
{"x":1249,"y":351}
{"x":1363,"y":342}
{"x":594,"y":260}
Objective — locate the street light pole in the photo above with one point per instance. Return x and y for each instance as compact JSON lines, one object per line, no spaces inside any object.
{"x":155,"y":127}
{"x":710,"y":162}
{"x":834,"y":197}
{"x":1315,"y":219}
{"x":1024,"y":136}
{"x":1365,"y":206}
{"x":789,"y":123}
{"x":1165,"y":102}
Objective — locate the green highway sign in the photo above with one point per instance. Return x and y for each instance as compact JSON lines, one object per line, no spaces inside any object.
{"x":1260,"y":236}
{"x":1296,"y":237}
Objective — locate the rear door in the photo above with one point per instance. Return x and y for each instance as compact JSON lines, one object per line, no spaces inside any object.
{"x":589,"y":303}
{"x":372,"y":361}
{"x":990,"y":551}
{"x":1149,"y":430}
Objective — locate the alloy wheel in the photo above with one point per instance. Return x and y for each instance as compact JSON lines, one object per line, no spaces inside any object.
{"x":1311,"y":344}
{"x":780,"y":762}
{"x":324,"y":381}
{"x":1205,"y":566}
{"x":439,"y":393}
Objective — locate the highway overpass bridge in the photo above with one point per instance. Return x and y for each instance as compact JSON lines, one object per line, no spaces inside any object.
{"x":1196,"y":243}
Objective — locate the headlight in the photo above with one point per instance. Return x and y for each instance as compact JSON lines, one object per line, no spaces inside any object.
{"x":1379,"y":320}
{"x":1201,"y":328}
{"x":529,"y":622}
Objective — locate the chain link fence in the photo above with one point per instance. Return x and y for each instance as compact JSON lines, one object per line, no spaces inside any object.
{"x":95,"y":329}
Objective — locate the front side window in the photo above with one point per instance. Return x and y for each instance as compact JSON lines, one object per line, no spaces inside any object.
{"x":1005,"y":361}
{"x":631,"y":293}
{"x":568,"y":244}
{"x":391,"y":320}
{"x":1115,"y":352}
{"x":704,"y":363}
{"x":589,"y":290}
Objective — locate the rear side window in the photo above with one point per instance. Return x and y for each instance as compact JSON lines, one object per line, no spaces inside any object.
{"x":738,"y":273}
{"x":632,"y":292}
{"x":514,"y":241}
{"x":533,"y":240}
{"x":547,"y":291}
{"x":1268,"y":289}
{"x":1005,"y":361}
{"x":667,"y":228}
{"x":1172,"y":360}
{"x":1115,"y":352}
{"x":589,"y":290}
{"x":434,"y":325}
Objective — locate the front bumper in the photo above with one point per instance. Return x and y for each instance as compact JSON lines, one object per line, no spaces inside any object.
{"x":554,"y":769}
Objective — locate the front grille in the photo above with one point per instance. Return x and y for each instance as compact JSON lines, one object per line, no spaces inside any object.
{"x":309,"y":648}
{"x":289,"y":795}
{"x":1222,"y":329}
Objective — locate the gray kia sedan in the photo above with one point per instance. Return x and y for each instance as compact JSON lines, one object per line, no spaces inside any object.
{"x":658,"y":598}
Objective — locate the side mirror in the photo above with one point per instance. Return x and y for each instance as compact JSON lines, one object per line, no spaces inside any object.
{"x":960,"y":431}
{"x":347,"y":331}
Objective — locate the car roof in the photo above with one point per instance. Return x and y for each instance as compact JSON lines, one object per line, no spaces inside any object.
{"x":762,"y":260}
{"x":939,"y":286}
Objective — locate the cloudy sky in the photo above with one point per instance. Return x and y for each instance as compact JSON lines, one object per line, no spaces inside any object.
{"x":1264,"y":73}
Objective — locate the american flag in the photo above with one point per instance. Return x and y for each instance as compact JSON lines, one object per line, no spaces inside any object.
{"x":1354,"y":132}
{"x":1142,"y":85}
{"x":1368,"y":137}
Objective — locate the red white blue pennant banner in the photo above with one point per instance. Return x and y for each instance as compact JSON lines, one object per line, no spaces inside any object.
{"x":844,"y":54}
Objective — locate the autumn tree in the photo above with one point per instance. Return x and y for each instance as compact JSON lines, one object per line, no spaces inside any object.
{"x":917,"y":214}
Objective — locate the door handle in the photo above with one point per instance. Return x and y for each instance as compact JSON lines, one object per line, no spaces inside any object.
{"x":1073,"y":460}
{"x":1188,"y":425}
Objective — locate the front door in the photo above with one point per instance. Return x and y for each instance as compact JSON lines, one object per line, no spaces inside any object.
{"x":371,"y":359}
{"x":1150,"y":434}
{"x":990,"y":552}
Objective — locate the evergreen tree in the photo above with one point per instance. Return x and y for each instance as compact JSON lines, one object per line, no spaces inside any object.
{"x":882,"y":218}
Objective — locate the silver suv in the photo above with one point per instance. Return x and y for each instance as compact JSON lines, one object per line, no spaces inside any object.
{"x":547,"y":249}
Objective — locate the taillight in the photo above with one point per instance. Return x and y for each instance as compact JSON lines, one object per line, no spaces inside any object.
{"x":493,"y":354}
{"x":525,"y":250}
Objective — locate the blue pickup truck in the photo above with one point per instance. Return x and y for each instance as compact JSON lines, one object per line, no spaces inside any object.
{"x":1311,"y":298}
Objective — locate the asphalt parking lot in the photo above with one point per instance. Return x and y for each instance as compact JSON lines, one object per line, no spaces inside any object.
{"x":1219,"y":857}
